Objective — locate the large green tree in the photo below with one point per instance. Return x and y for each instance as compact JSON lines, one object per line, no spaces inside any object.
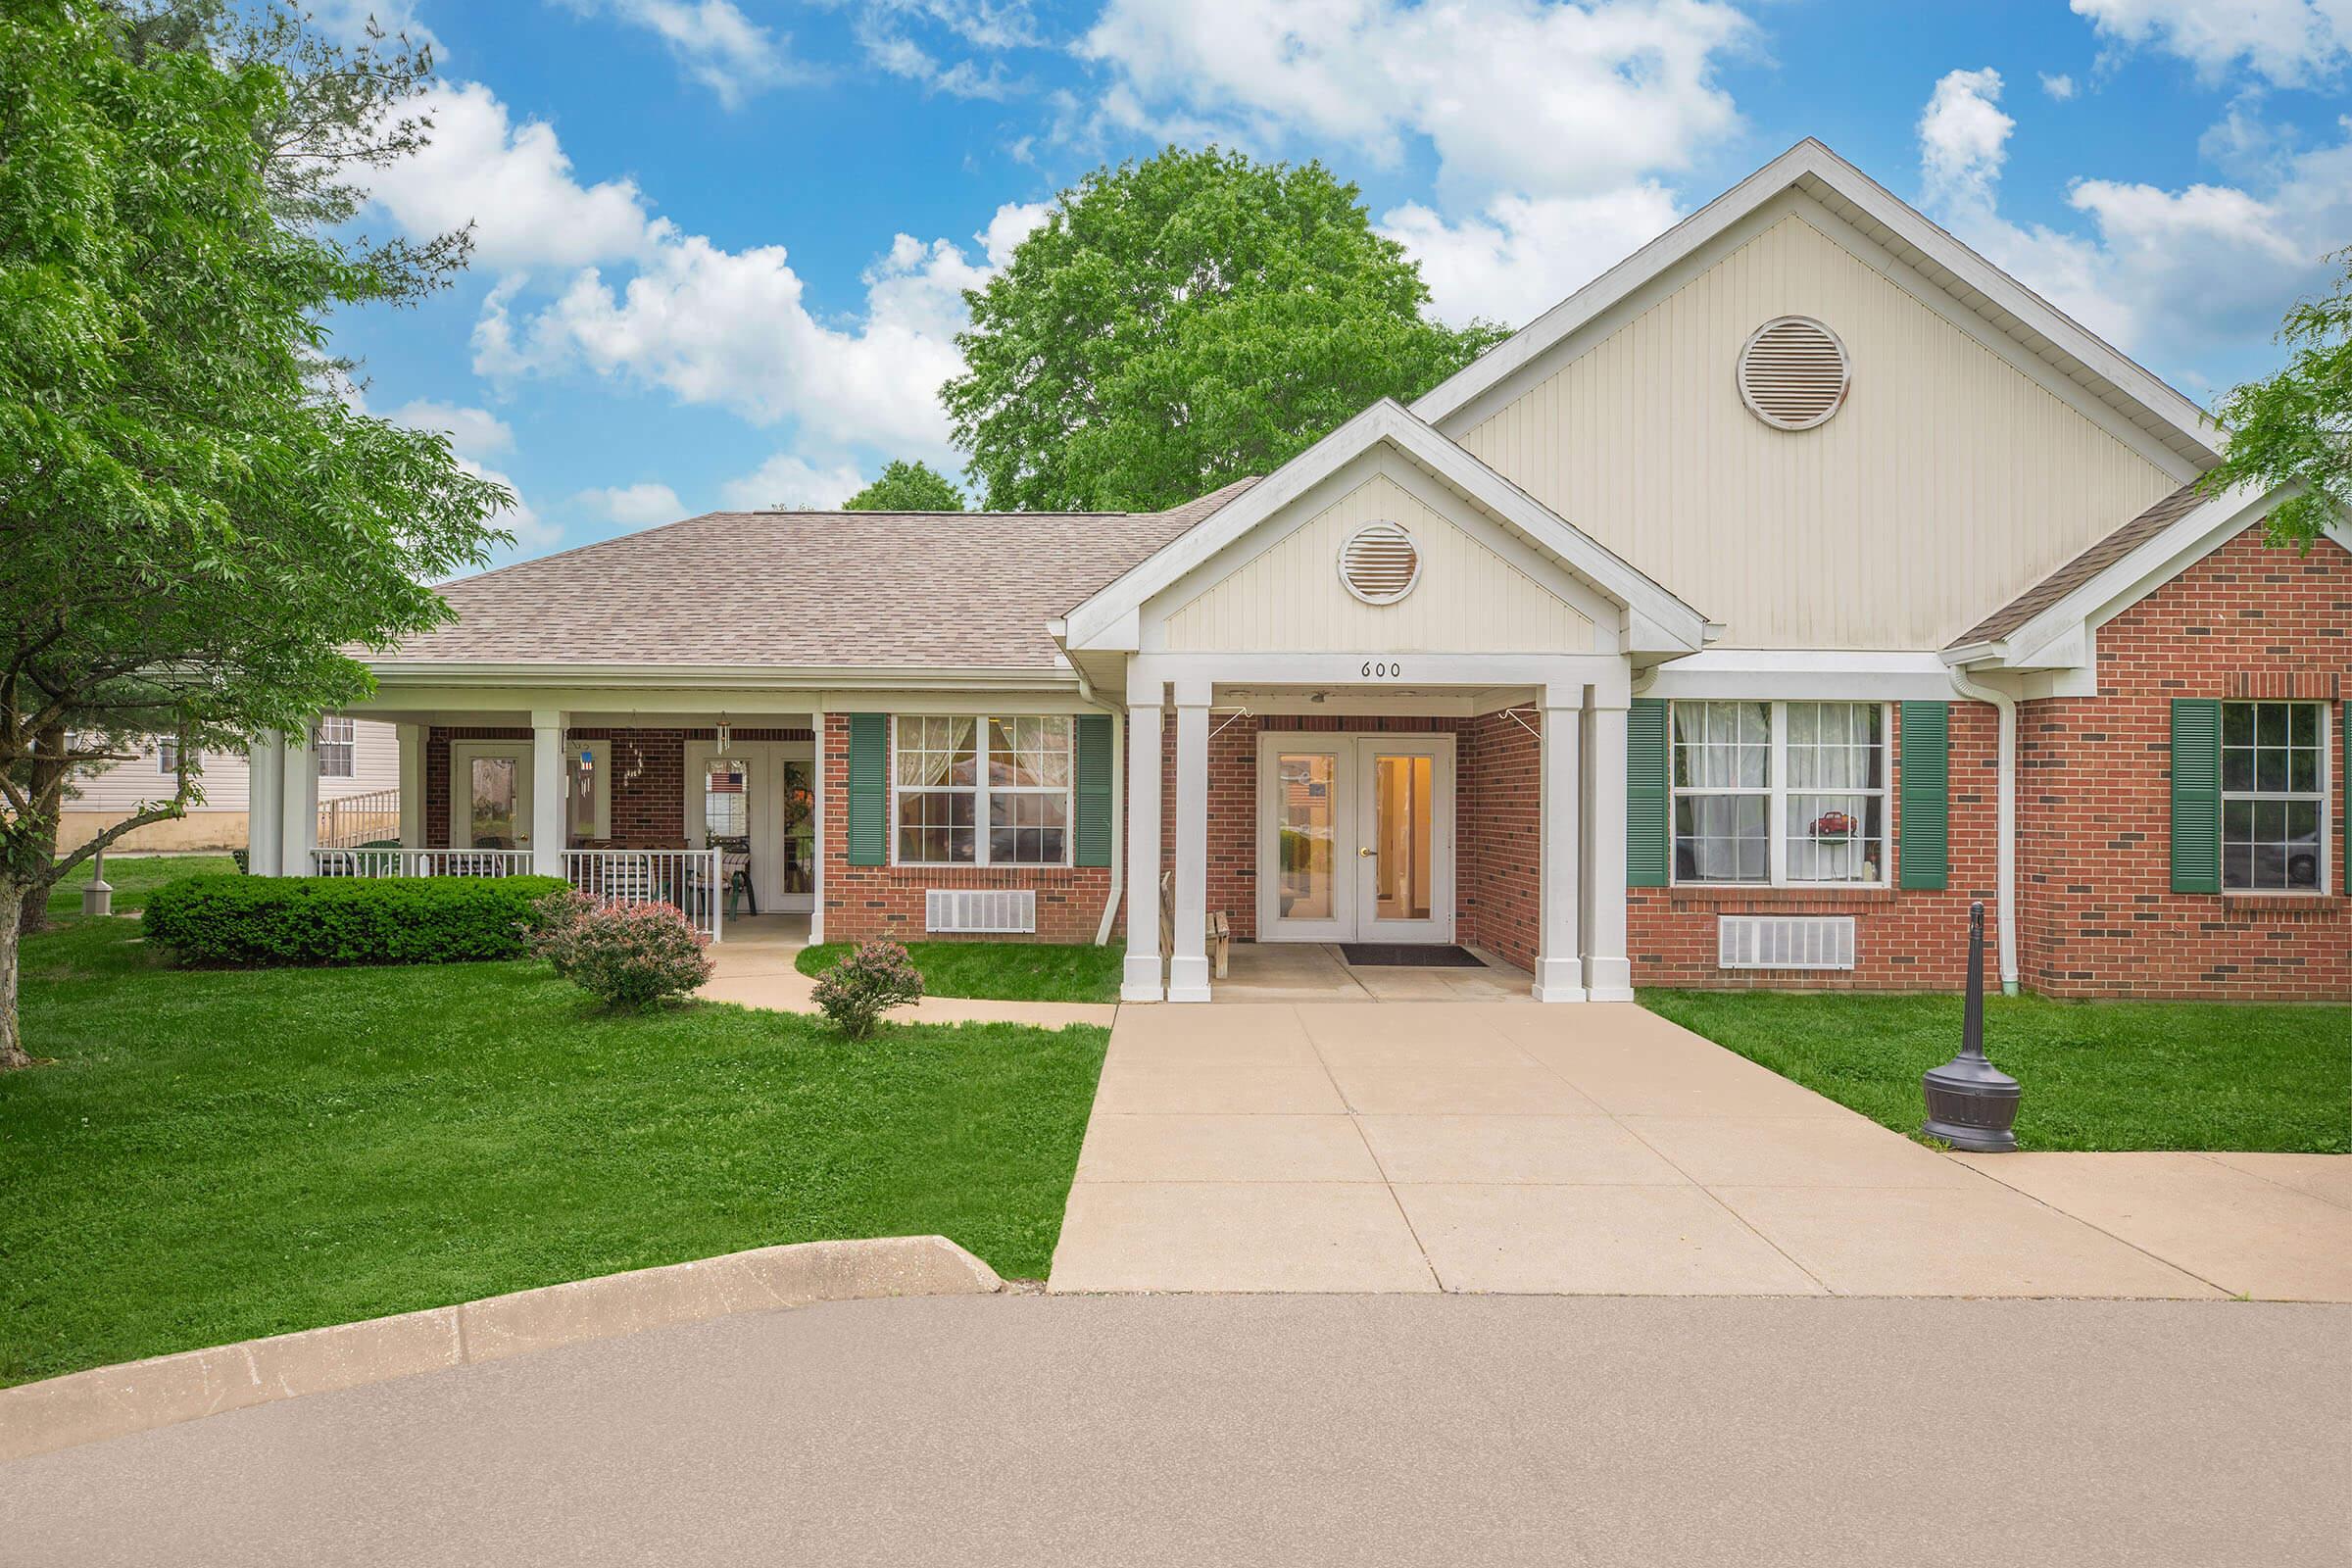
{"x":1180,"y":322}
{"x":2294,"y":428}
{"x":193,"y":534}
{"x":908,"y":487}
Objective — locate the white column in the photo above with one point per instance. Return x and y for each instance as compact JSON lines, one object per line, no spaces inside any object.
{"x":817,"y":828}
{"x":1608,"y":971}
{"x":1559,"y":965}
{"x":1142,"y":981}
{"x":411,"y":786}
{"x":264,"y":811}
{"x":1188,"y":964}
{"x":546,"y":790}
{"x":299,"y":803}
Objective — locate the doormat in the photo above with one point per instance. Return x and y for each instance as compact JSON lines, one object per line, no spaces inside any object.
{"x":1409,"y":955}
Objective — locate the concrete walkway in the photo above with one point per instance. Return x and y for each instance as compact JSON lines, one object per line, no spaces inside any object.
{"x":1140,"y":1431}
{"x":755,"y":968}
{"x":1598,"y":1150}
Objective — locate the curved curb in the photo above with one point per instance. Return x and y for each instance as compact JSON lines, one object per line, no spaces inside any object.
{"x":114,"y":1401}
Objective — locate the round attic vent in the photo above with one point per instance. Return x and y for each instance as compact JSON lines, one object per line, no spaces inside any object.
{"x":1793,"y":373}
{"x":1378,"y":563}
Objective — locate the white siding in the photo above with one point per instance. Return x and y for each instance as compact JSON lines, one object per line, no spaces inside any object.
{"x":1288,"y":598}
{"x":1949,"y":483}
{"x":375,"y":766}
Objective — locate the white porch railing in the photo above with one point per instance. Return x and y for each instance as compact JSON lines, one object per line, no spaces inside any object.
{"x":691,"y":881}
{"x":422,"y":862}
{"x":357,"y":819}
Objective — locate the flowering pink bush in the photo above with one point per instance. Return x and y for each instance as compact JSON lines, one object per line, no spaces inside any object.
{"x":624,"y":954}
{"x":855,"y":992}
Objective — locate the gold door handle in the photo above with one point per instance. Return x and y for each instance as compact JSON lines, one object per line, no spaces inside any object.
{"x":1366,"y":852}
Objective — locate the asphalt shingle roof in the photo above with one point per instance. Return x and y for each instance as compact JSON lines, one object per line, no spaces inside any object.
{"x":807,"y":589}
{"x":2085,"y":566}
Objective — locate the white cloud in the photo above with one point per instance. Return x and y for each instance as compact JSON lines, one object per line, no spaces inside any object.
{"x":1525,"y":255}
{"x":2059,"y":88}
{"x":1513,"y":95}
{"x":477,"y":431}
{"x":2287,"y":42}
{"x":793,"y":483}
{"x":1011,"y":224}
{"x":515,"y":184}
{"x":2174,"y":276}
{"x":712,"y":41}
{"x":633,"y":505}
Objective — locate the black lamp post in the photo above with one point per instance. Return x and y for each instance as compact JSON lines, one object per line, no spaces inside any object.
{"x":1972,"y":1105}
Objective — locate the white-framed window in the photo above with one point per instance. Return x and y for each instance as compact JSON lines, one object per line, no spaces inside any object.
{"x":166,"y":756}
{"x":1779,"y":794}
{"x":981,"y":790}
{"x":2275,"y":797}
{"x":337,"y":747}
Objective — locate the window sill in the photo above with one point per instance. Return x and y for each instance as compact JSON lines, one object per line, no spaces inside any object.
{"x":1689,"y":896}
{"x":2284,"y":906}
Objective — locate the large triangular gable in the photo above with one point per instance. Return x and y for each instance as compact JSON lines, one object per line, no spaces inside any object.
{"x":1499,"y":545}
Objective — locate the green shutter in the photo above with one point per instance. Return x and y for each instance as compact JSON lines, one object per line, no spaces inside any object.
{"x":1092,"y":768}
{"x":1647,"y":836}
{"x":1924,"y":846}
{"x":2196,"y":795}
{"x":870,"y":789}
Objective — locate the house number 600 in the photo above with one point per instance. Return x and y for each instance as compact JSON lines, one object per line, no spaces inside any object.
{"x":1382,"y":670}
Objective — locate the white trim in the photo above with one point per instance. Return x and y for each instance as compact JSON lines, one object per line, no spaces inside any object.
{"x":1141,"y":975}
{"x":1776,"y":791}
{"x":1352,"y":919}
{"x":1404,"y":678}
{"x":1804,"y":673}
{"x":1188,"y":959}
{"x":982,"y":791}
{"x":461,"y":753}
{"x":2324,"y":798}
{"x":1109,"y":620}
{"x":1559,"y":896}
{"x":2180,"y":423}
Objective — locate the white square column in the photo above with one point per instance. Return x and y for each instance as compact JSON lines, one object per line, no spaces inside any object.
{"x":548,"y":803}
{"x":1141,"y":981}
{"x":265,"y":808}
{"x":1188,"y":964}
{"x":411,"y":785}
{"x":817,"y":829}
{"x":1608,"y":971}
{"x":298,"y":804}
{"x":1559,"y":962}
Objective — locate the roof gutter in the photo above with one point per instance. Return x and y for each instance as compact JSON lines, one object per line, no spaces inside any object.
{"x":2004,"y":822}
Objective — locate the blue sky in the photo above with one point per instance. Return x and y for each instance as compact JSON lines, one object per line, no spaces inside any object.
{"x":720,"y":242}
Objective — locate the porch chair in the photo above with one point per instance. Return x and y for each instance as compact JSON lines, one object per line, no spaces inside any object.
{"x":735,"y":862}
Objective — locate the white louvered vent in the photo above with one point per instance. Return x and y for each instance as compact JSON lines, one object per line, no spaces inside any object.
{"x":1011,"y":911}
{"x":1378,"y":563}
{"x":1793,"y":373}
{"x":1785,"y":942}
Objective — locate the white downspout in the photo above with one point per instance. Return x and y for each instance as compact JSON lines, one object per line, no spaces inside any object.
{"x":1118,"y":788}
{"x":2004,"y":820}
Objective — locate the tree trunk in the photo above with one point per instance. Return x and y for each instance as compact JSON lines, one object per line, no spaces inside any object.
{"x":12,"y":1039}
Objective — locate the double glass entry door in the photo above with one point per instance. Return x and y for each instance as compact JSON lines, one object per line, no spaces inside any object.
{"x":1355,"y":837}
{"x":763,"y":791}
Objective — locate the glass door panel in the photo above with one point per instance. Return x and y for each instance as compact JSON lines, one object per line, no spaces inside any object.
{"x":795,"y":879}
{"x":1305,"y":835}
{"x":497,"y":817}
{"x":1402,"y":874}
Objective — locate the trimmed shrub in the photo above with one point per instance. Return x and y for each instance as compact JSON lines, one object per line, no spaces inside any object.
{"x":855,"y":992}
{"x":624,"y":954}
{"x":309,"y":920}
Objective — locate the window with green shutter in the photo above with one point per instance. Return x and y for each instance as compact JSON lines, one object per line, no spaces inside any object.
{"x":1645,"y":794}
{"x":1925,"y":835}
{"x":2196,"y":795}
{"x":1092,"y":773}
{"x":870,"y":789}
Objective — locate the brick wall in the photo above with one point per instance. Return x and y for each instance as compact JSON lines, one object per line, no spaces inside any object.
{"x":1904,"y":938}
{"x":1497,"y":833}
{"x":647,"y":777}
{"x":2097,"y":913}
{"x":865,"y":903}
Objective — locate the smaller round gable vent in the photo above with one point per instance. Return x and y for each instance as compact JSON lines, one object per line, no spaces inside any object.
{"x":1378,"y":563}
{"x":1793,"y":373}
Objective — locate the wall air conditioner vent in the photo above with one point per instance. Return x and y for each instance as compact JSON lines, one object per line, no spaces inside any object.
{"x":1793,"y":373}
{"x":1378,"y":563}
{"x":1785,"y":942}
{"x":1004,"y":912}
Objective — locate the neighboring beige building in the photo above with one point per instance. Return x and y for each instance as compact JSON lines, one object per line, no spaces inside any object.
{"x":359,"y":793}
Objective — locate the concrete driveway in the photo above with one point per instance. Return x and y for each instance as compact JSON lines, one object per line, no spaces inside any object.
{"x":1591,"y":1149}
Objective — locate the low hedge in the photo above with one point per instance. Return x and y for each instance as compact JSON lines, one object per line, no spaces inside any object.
{"x":309,"y":920}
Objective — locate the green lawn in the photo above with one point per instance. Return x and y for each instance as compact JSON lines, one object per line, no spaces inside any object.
{"x":222,"y":1154}
{"x":2096,"y":1074}
{"x":1001,"y":972}
{"x":132,"y":878}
